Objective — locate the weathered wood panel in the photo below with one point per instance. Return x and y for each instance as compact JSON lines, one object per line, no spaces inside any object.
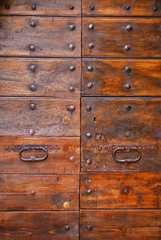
{"x":39,"y":225}
{"x":122,"y":8}
{"x":111,"y":37}
{"x":110,"y":77}
{"x":39,"y":192}
{"x":63,"y":155}
{"x":120,"y":224}
{"x":40,"y":7}
{"x":53,"y":77}
{"x":50,"y":37}
{"x":120,"y":190}
{"x":51,"y":117}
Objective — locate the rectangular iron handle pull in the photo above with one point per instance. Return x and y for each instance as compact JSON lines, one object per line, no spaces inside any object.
{"x":33,"y":158}
{"x":130,"y":160}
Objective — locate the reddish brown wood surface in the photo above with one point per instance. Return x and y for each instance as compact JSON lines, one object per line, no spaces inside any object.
{"x":109,"y":77}
{"x":40,"y":7}
{"x":39,"y":192}
{"x":121,"y":225}
{"x":110,"y":38}
{"x":51,"y":37}
{"x":123,"y":8}
{"x":54,"y":77}
{"x":63,"y":157}
{"x":120,"y":190}
{"x":39,"y":225}
{"x":51,"y":117}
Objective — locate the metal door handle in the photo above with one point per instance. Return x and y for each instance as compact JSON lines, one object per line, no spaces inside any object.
{"x":123,"y":149}
{"x":33,"y":158}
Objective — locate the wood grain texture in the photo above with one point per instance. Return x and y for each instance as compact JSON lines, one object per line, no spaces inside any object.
{"x":50,"y":118}
{"x":109,"y":77}
{"x":121,"y":225}
{"x":63,"y":158}
{"x":38,"y":225}
{"x":38,"y":192}
{"x":111,"y":119}
{"x":111,"y":7}
{"x":109,"y":37}
{"x":51,"y":36}
{"x":52,"y":76}
{"x":47,"y":7}
{"x":120,"y":190}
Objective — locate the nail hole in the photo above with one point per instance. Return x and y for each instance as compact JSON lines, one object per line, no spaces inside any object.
{"x":57,"y":179}
{"x":94,"y":120}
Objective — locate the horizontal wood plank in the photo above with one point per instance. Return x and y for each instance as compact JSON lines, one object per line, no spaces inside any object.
{"x":109,"y":37}
{"x":51,"y":37}
{"x":120,"y":224}
{"x":51,"y":117}
{"x":120,"y":190}
{"x":39,"y":225}
{"x":41,"y":7}
{"x":122,"y":8}
{"x":63,"y":155}
{"x":54,"y":77}
{"x":39,"y":192}
{"x":110,"y":77}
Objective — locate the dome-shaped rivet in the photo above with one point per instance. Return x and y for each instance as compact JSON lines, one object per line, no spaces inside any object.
{"x":91,"y":26}
{"x":32,"y":106}
{"x":72,"y":68}
{"x":125,"y":190}
{"x":127,"y":48}
{"x":92,"y":7}
{"x":71,"y":7}
{"x":67,"y":228}
{"x":89,"y":191}
{"x":128,"y":108}
{"x":33,"y":87}
{"x":71,"y":89}
{"x":89,"y":227}
{"x":127,"y":7}
{"x":91,"y":45}
{"x":33,"y":24}
{"x":89,"y":161}
{"x":66,"y":205}
{"x":7,"y":6}
{"x":88,"y":135}
{"x":33,"y":192}
{"x":128,"y":134}
{"x":127,"y":69}
{"x":32,"y":132}
{"x":33,"y":67}
{"x":72,"y":27}
{"x":90,"y":68}
{"x":127,"y":86}
{"x":89,"y":85}
{"x":155,"y":9}
{"x":71,"y":46}
{"x":129,"y":27}
{"x":71,"y":108}
{"x":88,"y":108}
{"x":71,"y":159}
{"x":32,"y":47}
{"x":33,"y":7}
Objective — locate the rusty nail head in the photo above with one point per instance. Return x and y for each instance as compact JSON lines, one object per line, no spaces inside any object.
{"x":33,"y":87}
{"x":128,"y":134}
{"x":33,"y":67}
{"x":33,"y":7}
{"x":127,"y":86}
{"x":67,"y":228}
{"x":32,"y":47}
{"x":89,"y":161}
{"x":32,"y":106}
{"x":89,"y":227}
{"x":128,"y":108}
{"x":127,"y":7}
{"x":33,"y":192}
{"x":88,"y":135}
{"x":32,"y":132}
{"x":92,"y":7}
{"x":91,"y":45}
{"x":89,"y":191}
{"x":72,"y":68}
{"x":91,"y":26}
{"x":72,"y":27}
{"x":125,"y":190}
{"x":33,"y":24}
{"x":90,"y":85}
{"x":71,"y":159}
{"x":71,"y":46}
{"x":71,"y":108}
{"x":66,"y":205}
{"x":129,"y":27}
{"x":127,"y":48}
{"x":90,"y":68}
{"x":71,"y":7}
{"x":89,"y":108}
{"x":71,"y":89}
{"x":7,"y":6}
{"x":127,"y":69}
{"x":155,"y":9}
